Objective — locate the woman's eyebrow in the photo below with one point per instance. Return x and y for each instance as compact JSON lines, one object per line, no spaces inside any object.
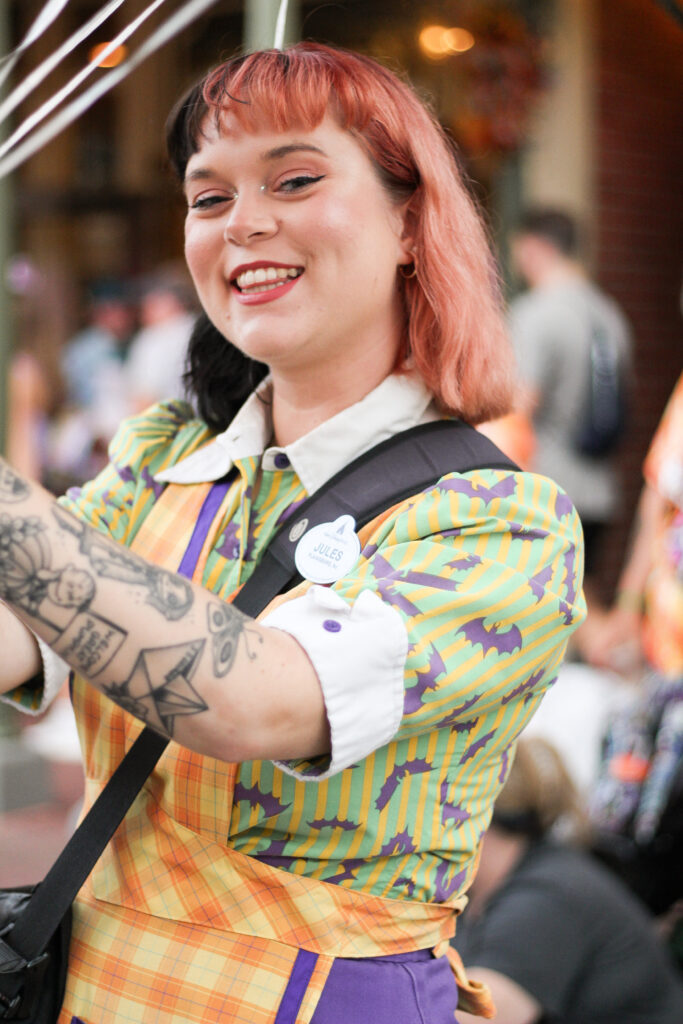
{"x":292,"y":147}
{"x":201,"y":173}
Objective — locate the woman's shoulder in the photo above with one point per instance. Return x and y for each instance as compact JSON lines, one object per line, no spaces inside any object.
{"x":117,"y":500}
{"x":520,"y":528}
{"x":158,"y":437}
{"x":528,"y":504}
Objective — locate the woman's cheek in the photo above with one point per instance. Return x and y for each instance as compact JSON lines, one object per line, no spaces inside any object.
{"x":200,"y":254}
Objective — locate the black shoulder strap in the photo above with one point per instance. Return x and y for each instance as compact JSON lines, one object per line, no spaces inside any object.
{"x":394,"y":470}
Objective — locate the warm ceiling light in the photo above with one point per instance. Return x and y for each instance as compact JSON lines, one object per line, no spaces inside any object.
{"x":458,"y":40}
{"x":438,"y":41}
{"x":433,"y":40}
{"x":111,"y":60}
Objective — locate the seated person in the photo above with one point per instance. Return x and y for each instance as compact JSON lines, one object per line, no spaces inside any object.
{"x":554,"y":935}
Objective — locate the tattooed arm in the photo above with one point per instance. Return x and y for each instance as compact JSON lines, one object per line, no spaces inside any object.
{"x":20,"y":654}
{"x":190,"y":666}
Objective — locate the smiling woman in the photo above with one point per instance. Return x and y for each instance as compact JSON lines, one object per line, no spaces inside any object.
{"x":301,"y":851}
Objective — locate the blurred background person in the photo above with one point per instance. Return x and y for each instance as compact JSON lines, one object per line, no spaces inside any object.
{"x":648,"y":607}
{"x":35,"y":386}
{"x":103,"y":341}
{"x":92,"y":364}
{"x":156,"y":360}
{"x":573,"y":349}
{"x":555,"y":935}
{"x":28,"y":403}
{"x":637,"y":804}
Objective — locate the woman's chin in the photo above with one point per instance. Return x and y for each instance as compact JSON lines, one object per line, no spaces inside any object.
{"x":278,"y":352}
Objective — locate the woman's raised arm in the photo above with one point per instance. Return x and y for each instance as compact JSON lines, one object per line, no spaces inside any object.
{"x":184,"y":662}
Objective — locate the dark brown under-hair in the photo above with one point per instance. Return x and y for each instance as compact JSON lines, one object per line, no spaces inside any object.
{"x":538,"y":793}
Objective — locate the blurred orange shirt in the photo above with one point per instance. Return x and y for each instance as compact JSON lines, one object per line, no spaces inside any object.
{"x":514,"y":435}
{"x":663,"y":470}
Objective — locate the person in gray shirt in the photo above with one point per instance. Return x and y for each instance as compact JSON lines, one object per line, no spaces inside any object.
{"x":553,"y":324}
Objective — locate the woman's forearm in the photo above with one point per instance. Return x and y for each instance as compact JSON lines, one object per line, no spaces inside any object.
{"x":169,"y":652}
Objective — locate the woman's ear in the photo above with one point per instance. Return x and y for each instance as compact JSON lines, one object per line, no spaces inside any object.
{"x":407,"y":236}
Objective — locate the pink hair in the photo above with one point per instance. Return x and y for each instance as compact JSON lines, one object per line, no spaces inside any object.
{"x":455,"y":331}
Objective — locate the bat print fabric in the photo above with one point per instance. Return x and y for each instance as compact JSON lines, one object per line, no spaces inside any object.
{"x":483,"y":570}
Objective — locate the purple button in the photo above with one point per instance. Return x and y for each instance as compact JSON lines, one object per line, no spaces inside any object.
{"x":281,"y":461}
{"x":331,"y":625}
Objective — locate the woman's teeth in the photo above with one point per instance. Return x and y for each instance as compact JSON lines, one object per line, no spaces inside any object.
{"x":265,"y":278}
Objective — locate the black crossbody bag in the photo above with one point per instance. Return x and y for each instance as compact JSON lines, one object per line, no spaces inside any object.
{"x":35,"y":921}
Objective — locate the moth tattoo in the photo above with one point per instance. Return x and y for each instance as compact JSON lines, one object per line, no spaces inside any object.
{"x":226,"y":625}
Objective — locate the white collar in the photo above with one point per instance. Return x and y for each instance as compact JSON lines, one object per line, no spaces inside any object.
{"x":399,"y":402}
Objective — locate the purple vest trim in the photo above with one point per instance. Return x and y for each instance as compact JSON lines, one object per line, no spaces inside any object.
{"x":206,"y":515}
{"x":296,"y":987}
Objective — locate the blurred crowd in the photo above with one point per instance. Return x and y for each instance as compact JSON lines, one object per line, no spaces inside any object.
{"x":68,"y":396}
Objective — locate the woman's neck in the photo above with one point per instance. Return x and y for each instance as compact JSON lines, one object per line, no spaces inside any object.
{"x":303,"y":401}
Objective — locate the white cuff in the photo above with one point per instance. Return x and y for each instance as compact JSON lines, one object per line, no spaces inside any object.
{"x":55,"y":674}
{"x":359,"y":653}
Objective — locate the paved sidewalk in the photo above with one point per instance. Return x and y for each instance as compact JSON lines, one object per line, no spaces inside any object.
{"x":30,"y":840}
{"x":31,"y":836}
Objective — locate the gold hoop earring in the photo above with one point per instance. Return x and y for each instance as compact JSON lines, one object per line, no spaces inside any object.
{"x":402,"y":270}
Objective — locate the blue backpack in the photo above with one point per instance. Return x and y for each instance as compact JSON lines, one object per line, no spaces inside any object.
{"x":603,"y":419}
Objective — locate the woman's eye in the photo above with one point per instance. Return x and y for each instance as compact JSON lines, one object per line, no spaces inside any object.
{"x":298,"y":182}
{"x":207,"y":202}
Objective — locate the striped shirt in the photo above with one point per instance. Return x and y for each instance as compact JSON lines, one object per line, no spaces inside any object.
{"x":484,"y":571}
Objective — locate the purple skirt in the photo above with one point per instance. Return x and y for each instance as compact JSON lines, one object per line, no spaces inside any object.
{"x":407,"y":988}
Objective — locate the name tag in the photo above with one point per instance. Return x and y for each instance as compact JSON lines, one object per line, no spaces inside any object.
{"x":328,"y":551}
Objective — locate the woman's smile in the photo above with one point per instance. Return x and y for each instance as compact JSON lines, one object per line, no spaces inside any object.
{"x":259,"y":282}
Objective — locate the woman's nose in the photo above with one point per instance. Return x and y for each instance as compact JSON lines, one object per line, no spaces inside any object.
{"x":249,"y":219}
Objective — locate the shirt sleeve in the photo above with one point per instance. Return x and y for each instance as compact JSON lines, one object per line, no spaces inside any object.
{"x":358,"y":651}
{"x":483,"y":573}
{"x":143,"y":446}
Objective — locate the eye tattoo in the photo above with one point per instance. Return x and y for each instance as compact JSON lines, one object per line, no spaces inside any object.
{"x":171,"y":595}
{"x":12,"y":487}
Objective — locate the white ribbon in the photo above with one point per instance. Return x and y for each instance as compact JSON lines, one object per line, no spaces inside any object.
{"x":25,"y":88}
{"x":42,"y":112}
{"x":279,"y":40}
{"x":174,"y":24}
{"x":48,"y":14}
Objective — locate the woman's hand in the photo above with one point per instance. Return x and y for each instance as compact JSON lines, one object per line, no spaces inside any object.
{"x":615,"y":643}
{"x":514,"y":1005}
{"x":172,"y":654}
{"x":20,"y":655}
